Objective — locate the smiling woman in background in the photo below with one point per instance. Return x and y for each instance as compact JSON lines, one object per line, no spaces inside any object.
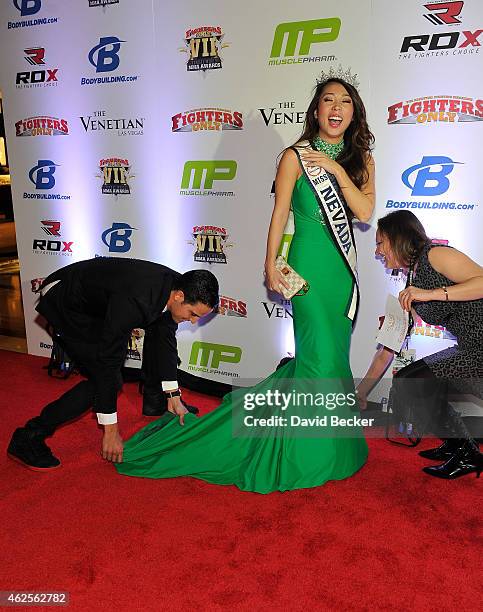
{"x":445,"y":287}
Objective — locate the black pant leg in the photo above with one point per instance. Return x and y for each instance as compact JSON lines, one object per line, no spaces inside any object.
{"x":77,"y":400}
{"x":69,"y":406}
{"x":427,"y":396}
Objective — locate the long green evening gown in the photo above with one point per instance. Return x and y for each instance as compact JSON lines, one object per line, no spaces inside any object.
{"x":206,"y":448}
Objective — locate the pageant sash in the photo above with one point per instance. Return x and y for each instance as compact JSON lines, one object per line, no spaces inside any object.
{"x":339,"y":226}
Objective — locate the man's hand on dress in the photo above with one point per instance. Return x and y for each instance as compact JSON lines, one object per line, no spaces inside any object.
{"x":176,"y":407}
{"x":112,"y":444}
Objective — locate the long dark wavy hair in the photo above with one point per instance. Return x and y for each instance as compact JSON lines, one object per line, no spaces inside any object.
{"x":358,"y":138}
{"x":406,"y":235}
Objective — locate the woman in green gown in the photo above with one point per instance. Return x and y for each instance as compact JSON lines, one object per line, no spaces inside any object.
{"x":335,"y":143}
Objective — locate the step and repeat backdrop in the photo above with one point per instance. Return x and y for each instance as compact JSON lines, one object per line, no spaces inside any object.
{"x":151,"y":129}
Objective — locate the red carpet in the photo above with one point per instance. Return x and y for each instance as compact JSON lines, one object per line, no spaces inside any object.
{"x":390,"y":538}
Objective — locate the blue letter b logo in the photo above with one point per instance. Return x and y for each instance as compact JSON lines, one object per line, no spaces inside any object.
{"x":42,"y":175}
{"x":429,"y":182}
{"x":107,"y":58}
{"x":28,"y":7}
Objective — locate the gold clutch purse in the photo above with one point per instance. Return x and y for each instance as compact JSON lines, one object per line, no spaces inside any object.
{"x":297,"y":284}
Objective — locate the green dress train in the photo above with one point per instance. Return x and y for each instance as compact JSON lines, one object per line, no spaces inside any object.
{"x":206,"y":448}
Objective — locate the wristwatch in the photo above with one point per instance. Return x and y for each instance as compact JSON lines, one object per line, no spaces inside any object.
{"x":174,"y":393}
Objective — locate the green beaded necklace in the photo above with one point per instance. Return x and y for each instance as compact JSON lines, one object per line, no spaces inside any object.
{"x":331,"y":150}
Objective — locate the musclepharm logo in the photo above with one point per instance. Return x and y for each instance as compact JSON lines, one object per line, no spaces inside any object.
{"x":117,"y":237}
{"x":202,"y":174}
{"x":209,"y":355}
{"x":42,"y":175}
{"x":431,"y":176}
{"x":104,"y":56}
{"x":286,"y":38}
{"x":28,"y":7}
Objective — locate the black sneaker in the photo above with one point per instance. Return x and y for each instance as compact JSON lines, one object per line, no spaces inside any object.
{"x":30,"y":449}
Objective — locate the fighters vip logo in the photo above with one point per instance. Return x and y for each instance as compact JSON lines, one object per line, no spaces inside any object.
{"x":36,"y":78}
{"x":102,"y":3}
{"x":117,"y":237}
{"x":199,"y":175}
{"x":35,"y":284}
{"x":105,"y":57}
{"x":50,"y":246}
{"x":42,"y":176}
{"x":28,"y":8}
{"x":451,"y":42}
{"x":231,"y":307}
{"x":292,"y":41}
{"x":208,"y":357}
{"x":135,"y":345}
{"x":283,"y":113}
{"x":202,"y":119}
{"x":429,"y":178}
{"x":203,"y":46}
{"x":42,"y":126}
{"x":100,"y":122}
{"x":431,"y":109}
{"x":115,"y":173}
{"x":210,"y":242}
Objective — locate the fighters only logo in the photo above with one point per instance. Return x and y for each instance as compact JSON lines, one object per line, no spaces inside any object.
{"x":202,"y":119}
{"x":431,"y":109}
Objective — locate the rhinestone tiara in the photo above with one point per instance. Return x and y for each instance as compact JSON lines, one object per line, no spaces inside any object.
{"x":340,"y":73}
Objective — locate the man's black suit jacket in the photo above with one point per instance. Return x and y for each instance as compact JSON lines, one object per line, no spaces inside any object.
{"x":98,"y":302}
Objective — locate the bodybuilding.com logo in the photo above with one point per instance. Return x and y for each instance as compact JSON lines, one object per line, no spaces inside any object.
{"x":286,"y":48}
{"x":42,"y":176}
{"x":104,"y":57}
{"x":117,"y":237}
{"x":26,"y":9}
{"x":430,"y":177}
{"x":427,"y":179}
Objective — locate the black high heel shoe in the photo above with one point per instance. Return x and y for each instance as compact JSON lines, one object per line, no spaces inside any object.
{"x":443,"y":452}
{"x":466,"y":460}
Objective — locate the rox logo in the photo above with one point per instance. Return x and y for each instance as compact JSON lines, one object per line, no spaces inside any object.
{"x":35,"y":56}
{"x":52,"y":228}
{"x":443,"y":13}
{"x":209,"y":355}
{"x":313,"y":32}
{"x":207,"y":171}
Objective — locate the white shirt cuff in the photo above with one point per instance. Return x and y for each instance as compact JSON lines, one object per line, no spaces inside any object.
{"x":169,"y":385}
{"x":106,"y":419}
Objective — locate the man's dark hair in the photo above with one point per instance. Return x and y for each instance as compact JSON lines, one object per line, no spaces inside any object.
{"x":198,"y":286}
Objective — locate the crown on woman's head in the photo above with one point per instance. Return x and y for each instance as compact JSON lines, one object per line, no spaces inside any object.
{"x":340,"y":73}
